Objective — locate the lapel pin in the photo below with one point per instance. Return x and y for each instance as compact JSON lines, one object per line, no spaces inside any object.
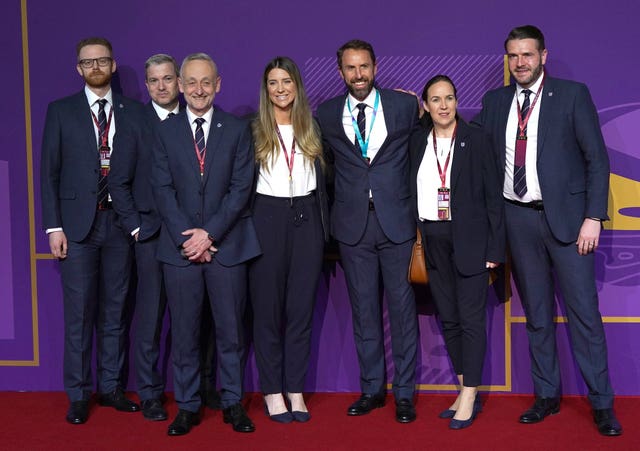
{"x":219,"y":125}
{"x":120,"y":106}
{"x":462,"y":144}
{"x":550,"y":94}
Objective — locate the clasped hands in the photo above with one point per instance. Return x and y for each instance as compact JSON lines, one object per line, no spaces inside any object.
{"x":198,"y":248}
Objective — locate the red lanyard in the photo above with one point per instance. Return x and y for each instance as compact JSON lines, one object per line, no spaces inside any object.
{"x":200,"y":154}
{"x":522,"y":123}
{"x":443,"y":174}
{"x":284,"y":150}
{"x":105,"y":135}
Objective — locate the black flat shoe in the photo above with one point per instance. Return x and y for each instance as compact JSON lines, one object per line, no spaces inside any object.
{"x":183,"y":423}
{"x":238,"y":418}
{"x":118,"y":401}
{"x":449,"y":413}
{"x":607,"y":422}
{"x":78,"y":412}
{"x":541,"y":408}
{"x":366,"y":404}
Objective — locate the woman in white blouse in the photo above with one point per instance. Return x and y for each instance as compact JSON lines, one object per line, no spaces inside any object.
{"x":289,"y":212}
{"x":458,"y":195}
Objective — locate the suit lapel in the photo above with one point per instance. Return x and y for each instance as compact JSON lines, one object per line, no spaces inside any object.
{"x":83,"y":116}
{"x":185,"y":136}
{"x":389,"y":120}
{"x":546,"y":109}
{"x":503,"y":111}
{"x":213,"y":140}
{"x":460,"y":152}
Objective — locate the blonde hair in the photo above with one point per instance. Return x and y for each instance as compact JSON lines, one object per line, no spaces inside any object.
{"x":305,"y":129}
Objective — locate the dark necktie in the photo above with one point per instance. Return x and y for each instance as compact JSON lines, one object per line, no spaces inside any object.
{"x":519,"y":167}
{"x":171,"y":113}
{"x":103,"y":192}
{"x":362,"y":121}
{"x":200,"y":135}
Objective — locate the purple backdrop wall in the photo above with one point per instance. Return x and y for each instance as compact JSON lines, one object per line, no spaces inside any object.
{"x":414,"y":40}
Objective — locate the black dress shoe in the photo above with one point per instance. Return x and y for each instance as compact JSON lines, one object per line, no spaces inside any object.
{"x":607,"y":422}
{"x":366,"y":404}
{"x":183,"y":422}
{"x":405,"y":411}
{"x":78,"y":412}
{"x":153,"y":410}
{"x":238,"y":418}
{"x":540,"y":409}
{"x":117,"y":400}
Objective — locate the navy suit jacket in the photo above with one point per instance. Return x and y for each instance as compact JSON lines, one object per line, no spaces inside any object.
{"x":477,"y":207}
{"x":130,"y":176}
{"x":216,"y":202}
{"x":70,"y":162}
{"x":572,"y":164}
{"x":387,"y":176}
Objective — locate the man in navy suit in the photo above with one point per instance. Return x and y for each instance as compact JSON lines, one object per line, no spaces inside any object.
{"x":366,"y":138}
{"x":84,"y":231}
{"x":130,"y":188}
{"x":202,"y":177}
{"x":556,"y":182}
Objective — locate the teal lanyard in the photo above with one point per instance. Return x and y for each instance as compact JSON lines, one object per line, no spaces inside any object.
{"x":364,"y":144}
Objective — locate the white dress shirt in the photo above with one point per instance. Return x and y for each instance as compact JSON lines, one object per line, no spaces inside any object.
{"x":533,"y":184}
{"x":379,"y":131}
{"x":205,"y":126}
{"x":95,"y":106}
{"x":275,"y":181}
{"x":428,"y":179}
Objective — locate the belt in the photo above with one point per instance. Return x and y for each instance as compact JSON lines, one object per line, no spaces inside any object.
{"x":371,"y":205}
{"x":534,"y":204}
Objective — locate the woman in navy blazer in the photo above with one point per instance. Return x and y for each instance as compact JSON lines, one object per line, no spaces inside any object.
{"x":459,"y":207}
{"x":289,"y":212}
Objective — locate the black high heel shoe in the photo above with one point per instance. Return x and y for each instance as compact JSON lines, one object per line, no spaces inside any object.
{"x":298,"y":415}
{"x":284,"y":417}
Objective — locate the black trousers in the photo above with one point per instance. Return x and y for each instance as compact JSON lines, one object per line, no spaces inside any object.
{"x":460,"y":300}
{"x":283,"y":283}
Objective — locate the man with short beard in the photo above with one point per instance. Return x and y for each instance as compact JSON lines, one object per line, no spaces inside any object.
{"x":84,"y":232}
{"x":366,"y":139}
{"x":555,"y":186}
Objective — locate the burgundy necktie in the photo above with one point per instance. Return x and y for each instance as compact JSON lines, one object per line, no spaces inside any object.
{"x":103,"y":192}
{"x":519,"y":166}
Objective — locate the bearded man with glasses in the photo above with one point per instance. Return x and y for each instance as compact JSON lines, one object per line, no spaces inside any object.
{"x":84,"y":231}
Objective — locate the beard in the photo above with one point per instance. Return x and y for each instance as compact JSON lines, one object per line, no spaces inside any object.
{"x":360,"y":93}
{"x":97,"y":78}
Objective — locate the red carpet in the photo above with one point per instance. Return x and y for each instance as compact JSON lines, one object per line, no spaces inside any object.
{"x":35,"y":421}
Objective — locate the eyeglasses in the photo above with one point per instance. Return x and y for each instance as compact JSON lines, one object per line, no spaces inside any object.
{"x":103,"y":61}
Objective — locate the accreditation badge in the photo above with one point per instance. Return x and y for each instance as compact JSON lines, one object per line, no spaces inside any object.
{"x":444,"y":195}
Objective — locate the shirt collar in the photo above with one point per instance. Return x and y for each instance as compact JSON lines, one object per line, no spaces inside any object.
{"x":206,"y":116}
{"x":163,"y":112}
{"x":93,"y":98}
{"x":533,"y":88}
{"x":369,"y":100}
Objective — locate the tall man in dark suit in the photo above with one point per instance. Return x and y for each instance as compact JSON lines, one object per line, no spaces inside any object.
{"x":202,"y":177}
{"x":84,"y":231}
{"x":366,"y":138}
{"x":556,"y":182}
{"x":130,"y":188}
